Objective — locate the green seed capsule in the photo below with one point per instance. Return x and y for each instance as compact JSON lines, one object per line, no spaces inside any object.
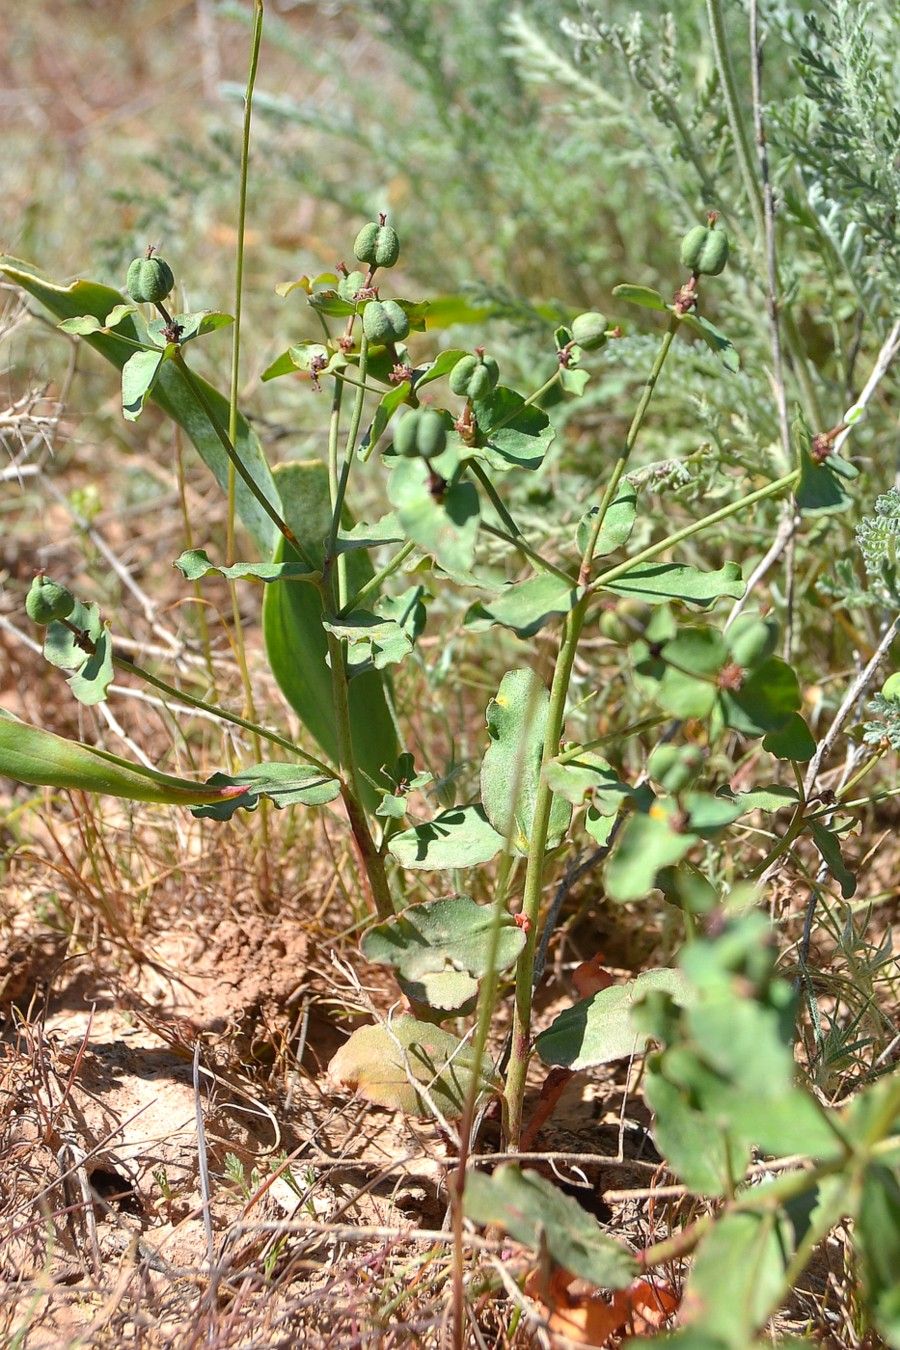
{"x":704,"y":250}
{"x":474,"y":377}
{"x":350,"y":284}
{"x":47,"y":601}
{"x":589,"y":330}
{"x":377,"y":245}
{"x":149,"y":280}
{"x":384,"y":321}
{"x":420,"y":434}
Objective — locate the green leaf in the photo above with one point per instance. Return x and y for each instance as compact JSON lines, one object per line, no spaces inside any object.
{"x":138,"y":378}
{"x":88,"y":657}
{"x":371,"y":639}
{"x":792,"y":741}
{"x":170,"y":391}
{"x":600,"y":1029}
{"x":534,"y":1211}
{"x":692,"y":1142}
{"x":388,"y":405}
{"x":738,"y":1276}
{"x":31,"y":755}
{"x":766,"y":701}
{"x":828,"y":844}
{"x":445,"y":527}
{"x":877,"y":1237}
{"x":590,"y":778}
{"x":82,"y":324}
{"x":716,"y":340}
{"x":617,"y":526}
{"x":459,"y":837}
{"x":647,"y":843}
{"x":774,"y":797}
{"x":821,"y":490}
{"x":195,"y":563}
{"x":384,"y":531}
{"x":640,"y":295}
{"x":440,"y":366}
{"x":526,"y":606}
{"x":296,"y":643}
{"x":283,"y":784}
{"x":516,"y":434}
{"x":390,"y":1065}
{"x":441,"y":949}
{"x":511,"y":768}
{"x":657,"y":583}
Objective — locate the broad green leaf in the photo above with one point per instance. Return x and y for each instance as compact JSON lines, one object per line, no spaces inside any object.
{"x":738,"y":1276}
{"x":821,"y":489}
{"x":590,"y":778}
{"x":295,"y":639}
{"x":138,"y":378}
{"x":371,"y":639}
{"x":516,"y":434}
{"x":766,"y":700}
{"x":617,"y":525}
{"x":82,"y":324}
{"x":772,"y":798}
{"x":600,"y":1029}
{"x":526,"y":606}
{"x":511,"y":768}
{"x":647,"y":843}
{"x":390,"y":1065}
{"x":459,"y":837}
{"x":443,"y":524}
{"x":283,"y":784}
{"x":170,"y":391}
{"x":657,"y":583}
{"x":828,"y":844}
{"x":196,"y":563}
{"x":877,"y":1238}
{"x":384,"y":531}
{"x":31,"y":755}
{"x":534,"y":1211}
{"x":692,"y":1142}
{"x":793,"y":741}
{"x":716,"y":340}
{"x":445,"y":311}
{"x":640,"y":295}
{"x":440,"y":949}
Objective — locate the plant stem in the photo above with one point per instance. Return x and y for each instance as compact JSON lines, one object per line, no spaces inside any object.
{"x":625,"y":452}
{"x":519,"y":544}
{"x":370,"y":859}
{"x":373,"y":585}
{"x":531,"y":900}
{"x":339,"y":488}
{"x":240,"y":645}
{"x":734,"y":508}
{"x":124,"y":663}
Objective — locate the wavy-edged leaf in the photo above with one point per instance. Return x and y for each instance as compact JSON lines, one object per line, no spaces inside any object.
{"x":511,"y":768}
{"x":516,"y":434}
{"x":658,"y":583}
{"x":600,"y":1029}
{"x":617,"y":526}
{"x":283,"y":784}
{"x":644,"y":296}
{"x":525,"y":606}
{"x":459,"y":837}
{"x":441,"y":948}
{"x":534,"y":1211}
{"x":195,"y":563}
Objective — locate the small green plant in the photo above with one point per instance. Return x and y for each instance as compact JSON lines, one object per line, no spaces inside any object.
{"x":443,"y":440}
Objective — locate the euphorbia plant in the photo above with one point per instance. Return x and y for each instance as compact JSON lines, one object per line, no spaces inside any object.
{"x":446,"y":437}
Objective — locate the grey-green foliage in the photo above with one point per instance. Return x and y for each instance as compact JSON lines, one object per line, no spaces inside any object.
{"x":847,"y":131}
